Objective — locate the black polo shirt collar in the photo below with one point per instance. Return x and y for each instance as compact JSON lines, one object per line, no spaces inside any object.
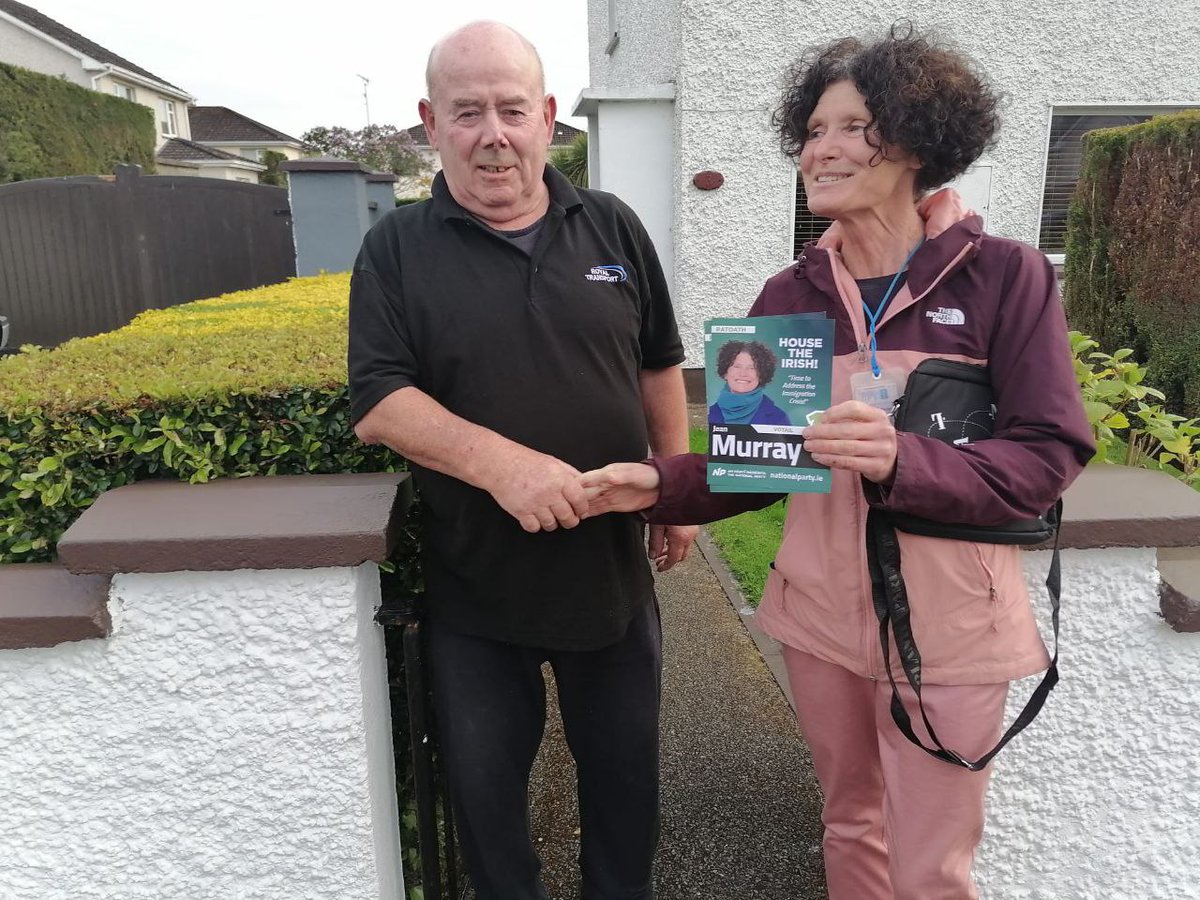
{"x":563,"y":196}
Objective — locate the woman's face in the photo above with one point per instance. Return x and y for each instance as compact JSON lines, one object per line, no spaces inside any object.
{"x":742,"y":375}
{"x":843,"y":174}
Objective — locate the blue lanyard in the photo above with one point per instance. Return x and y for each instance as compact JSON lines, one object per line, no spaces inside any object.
{"x":874,"y":317}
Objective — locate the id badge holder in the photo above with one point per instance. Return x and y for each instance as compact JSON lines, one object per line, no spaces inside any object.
{"x":882,"y":392}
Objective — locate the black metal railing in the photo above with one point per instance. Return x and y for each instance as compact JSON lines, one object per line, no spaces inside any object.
{"x":414,"y":737}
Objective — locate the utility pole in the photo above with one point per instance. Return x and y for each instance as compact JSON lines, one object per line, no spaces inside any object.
{"x":366,"y":102}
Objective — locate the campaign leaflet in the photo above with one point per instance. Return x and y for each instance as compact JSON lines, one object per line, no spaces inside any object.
{"x":767,"y":379}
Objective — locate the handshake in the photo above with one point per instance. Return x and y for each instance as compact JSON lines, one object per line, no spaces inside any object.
{"x":544,"y":493}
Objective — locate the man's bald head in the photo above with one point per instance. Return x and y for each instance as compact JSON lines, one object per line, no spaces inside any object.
{"x":480,"y":37}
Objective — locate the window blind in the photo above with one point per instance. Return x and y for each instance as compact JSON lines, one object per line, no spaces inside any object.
{"x":1063,"y":160}
{"x":808,"y":226}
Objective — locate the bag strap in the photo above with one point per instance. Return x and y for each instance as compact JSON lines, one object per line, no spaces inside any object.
{"x":890,"y":598}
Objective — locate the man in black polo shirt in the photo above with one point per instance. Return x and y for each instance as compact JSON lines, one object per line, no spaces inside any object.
{"x":505,"y":336}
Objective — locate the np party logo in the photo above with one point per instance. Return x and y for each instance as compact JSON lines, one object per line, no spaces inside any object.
{"x":607,"y":273}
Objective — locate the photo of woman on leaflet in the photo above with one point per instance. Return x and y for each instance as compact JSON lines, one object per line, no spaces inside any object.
{"x":746,"y":367}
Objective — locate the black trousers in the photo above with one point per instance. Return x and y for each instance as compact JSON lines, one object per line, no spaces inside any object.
{"x":490,"y":698}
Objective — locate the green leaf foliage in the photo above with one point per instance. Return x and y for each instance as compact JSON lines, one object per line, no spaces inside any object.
{"x":572,"y":161}
{"x":1132,"y":272}
{"x":250,"y":383}
{"x":50,"y":127}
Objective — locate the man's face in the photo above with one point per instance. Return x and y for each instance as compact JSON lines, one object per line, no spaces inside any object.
{"x":492,"y":124}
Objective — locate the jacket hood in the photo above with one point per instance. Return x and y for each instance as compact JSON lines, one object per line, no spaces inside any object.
{"x":951,"y":227}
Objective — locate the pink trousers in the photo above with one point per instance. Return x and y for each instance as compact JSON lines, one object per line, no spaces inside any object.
{"x":899,"y":824}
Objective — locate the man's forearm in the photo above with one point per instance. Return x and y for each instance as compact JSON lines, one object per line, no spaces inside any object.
{"x":664,"y":404}
{"x":420,"y":429}
{"x":536,"y":489}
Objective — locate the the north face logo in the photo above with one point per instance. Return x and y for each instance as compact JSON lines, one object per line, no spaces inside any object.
{"x":947,"y":315}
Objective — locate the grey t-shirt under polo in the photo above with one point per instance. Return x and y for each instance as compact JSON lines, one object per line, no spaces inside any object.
{"x":524,"y":239}
{"x":545,"y":348}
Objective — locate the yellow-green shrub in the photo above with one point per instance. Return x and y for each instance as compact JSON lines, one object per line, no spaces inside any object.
{"x":251,"y":383}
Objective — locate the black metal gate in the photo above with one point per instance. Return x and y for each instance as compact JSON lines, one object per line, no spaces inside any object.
{"x":84,"y":255}
{"x":414,"y":743}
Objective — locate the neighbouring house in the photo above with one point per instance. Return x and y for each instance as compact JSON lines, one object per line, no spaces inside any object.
{"x":564,"y":136}
{"x":679,"y":88}
{"x":178,"y":156}
{"x":221,"y":128}
{"x":30,"y":39}
{"x":35,"y":41}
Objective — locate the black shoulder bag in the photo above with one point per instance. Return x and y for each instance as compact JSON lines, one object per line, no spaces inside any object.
{"x":952,"y":402}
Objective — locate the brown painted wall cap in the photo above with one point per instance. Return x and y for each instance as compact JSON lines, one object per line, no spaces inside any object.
{"x":280,"y":522}
{"x":43,"y":605}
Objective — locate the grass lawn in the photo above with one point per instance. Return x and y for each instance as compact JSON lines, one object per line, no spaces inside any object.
{"x":747,"y":542}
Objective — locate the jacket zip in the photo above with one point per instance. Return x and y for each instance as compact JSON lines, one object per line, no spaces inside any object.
{"x":874,"y":671}
{"x":993,"y":596}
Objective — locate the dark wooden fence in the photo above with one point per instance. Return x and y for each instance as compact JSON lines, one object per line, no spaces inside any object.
{"x":84,"y":255}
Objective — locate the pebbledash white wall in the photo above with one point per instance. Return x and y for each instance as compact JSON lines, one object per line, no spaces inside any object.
{"x":231,"y":739}
{"x":1098,"y":799}
{"x":725,"y":60}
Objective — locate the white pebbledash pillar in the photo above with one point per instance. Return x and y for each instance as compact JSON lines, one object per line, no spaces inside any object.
{"x":230,"y":737}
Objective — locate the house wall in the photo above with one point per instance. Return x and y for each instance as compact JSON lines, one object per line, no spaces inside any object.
{"x":727,"y":64}
{"x":237,"y":148}
{"x":166,"y":169}
{"x":648,"y":51}
{"x":642,"y":131}
{"x":20,"y":48}
{"x":229,"y":173}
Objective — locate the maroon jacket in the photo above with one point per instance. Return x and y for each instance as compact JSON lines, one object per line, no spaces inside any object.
{"x":969,"y":297}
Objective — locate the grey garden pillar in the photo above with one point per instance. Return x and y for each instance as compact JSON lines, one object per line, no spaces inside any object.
{"x":334,"y":202}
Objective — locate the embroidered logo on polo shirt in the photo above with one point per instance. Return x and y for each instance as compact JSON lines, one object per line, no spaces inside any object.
{"x":947,"y":315}
{"x":607,"y":273}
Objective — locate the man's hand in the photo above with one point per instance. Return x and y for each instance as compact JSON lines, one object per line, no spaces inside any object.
{"x":539,"y":491}
{"x":620,"y":487}
{"x":856,"y":437}
{"x":669,"y":544}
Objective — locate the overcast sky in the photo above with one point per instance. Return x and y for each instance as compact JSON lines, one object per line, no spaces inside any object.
{"x":295,"y":65}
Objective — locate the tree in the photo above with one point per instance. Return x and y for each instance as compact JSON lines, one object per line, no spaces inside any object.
{"x":384,"y":148}
{"x":271,"y":159}
{"x":572,"y":161}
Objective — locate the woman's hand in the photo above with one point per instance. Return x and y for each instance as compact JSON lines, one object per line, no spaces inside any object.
{"x":857,"y":437}
{"x":620,"y":487}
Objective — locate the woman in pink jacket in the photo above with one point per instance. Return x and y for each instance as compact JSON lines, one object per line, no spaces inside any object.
{"x":906,"y":273}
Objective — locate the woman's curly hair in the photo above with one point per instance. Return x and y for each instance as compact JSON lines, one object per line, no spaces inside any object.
{"x":924,"y":98}
{"x":760,"y":353}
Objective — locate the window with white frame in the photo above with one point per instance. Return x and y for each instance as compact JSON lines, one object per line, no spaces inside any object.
{"x":1064,"y":157}
{"x":168,"y":123}
{"x":125,"y":92}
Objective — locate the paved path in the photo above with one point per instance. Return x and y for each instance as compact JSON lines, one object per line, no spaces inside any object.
{"x":740,"y":804}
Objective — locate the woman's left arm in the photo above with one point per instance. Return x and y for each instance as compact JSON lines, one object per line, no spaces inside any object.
{"x":1042,"y":438}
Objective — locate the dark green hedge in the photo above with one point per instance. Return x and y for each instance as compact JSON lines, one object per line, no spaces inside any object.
{"x":50,"y":127}
{"x":1132,"y":266}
